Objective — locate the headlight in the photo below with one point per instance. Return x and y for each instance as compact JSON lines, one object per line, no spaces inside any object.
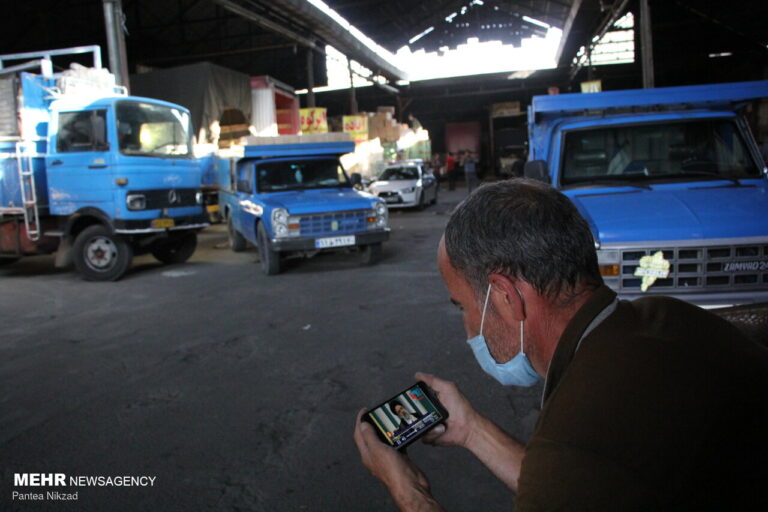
{"x":608,"y":261}
{"x":409,"y":190}
{"x":136,"y":201}
{"x":378,"y":216}
{"x":199,"y":198}
{"x":280,"y":221}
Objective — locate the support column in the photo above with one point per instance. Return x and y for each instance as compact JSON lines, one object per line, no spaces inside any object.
{"x":646,"y":44}
{"x":114,"y":22}
{"x":310,"y":78}
{"x":352,"y":94}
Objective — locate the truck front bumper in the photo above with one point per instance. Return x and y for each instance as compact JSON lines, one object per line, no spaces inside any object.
{"x":308,"y":244}
{"x":709,"y":300}
{"x":142,"y":226}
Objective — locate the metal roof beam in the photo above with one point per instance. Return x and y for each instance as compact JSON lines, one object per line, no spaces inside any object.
{"x":332,"y":32}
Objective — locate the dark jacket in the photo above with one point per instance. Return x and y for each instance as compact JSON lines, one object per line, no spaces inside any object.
{"x":662,"y":407}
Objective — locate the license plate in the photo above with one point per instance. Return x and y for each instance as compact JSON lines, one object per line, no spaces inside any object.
{"x":392,"y":199}
{"x":334,"y":241}
{"x":163,"y":223}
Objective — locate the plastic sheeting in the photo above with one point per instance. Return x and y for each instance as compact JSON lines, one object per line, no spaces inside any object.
{"x":204,"y":88}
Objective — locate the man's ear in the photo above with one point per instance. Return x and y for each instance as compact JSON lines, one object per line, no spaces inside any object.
{"x":507,"y":299}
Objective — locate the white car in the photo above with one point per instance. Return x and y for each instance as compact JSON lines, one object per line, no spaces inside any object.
{"x":405,"y":185}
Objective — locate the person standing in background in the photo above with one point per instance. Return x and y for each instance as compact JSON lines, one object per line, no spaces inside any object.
{"x":470,"y":171}
{"x":450,"y":170}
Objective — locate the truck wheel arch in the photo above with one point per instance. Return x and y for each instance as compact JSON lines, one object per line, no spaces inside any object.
{"x":85,"y":218}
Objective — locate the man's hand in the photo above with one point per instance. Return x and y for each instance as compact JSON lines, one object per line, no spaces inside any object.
{"x":465,"y":427}
{"x":462,"y":417}
{"x":407,"y":484}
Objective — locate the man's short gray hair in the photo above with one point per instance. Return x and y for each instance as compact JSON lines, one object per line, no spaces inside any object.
{"x":523,"y":229}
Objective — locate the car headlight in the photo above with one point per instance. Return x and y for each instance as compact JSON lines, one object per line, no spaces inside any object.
{"x":280,"y":221}
{"x":409,"y":190}
{"x":608,"y":262}
{"x":199,"y":198}
{"x":136,"y":201}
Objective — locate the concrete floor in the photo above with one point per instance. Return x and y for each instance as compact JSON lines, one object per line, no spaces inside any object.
{"x":236,"y":390}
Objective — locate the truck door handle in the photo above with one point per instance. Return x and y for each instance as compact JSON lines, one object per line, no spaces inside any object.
{"x":97,"y":166}
{"x":56,"y":162}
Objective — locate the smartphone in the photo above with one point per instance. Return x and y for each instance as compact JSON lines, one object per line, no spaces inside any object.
{"x":406,"y":416}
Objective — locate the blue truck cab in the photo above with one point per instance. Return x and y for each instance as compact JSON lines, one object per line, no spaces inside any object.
{"x":671,"y":183}
{"x":296,"y":199}
{"x":93,"y":174}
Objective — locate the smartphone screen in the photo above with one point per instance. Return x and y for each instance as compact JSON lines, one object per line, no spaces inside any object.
{"x":407,"y":416}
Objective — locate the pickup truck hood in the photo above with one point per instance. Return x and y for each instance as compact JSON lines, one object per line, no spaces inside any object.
{"x":299,"y":202}
{"x":700,"y":210}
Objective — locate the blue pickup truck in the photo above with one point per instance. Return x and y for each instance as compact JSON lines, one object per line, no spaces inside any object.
{"x":296,"y":199}
{"x":671,"y":182}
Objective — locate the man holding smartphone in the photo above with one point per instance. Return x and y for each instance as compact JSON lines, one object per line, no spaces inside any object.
{"x":648,"y":405}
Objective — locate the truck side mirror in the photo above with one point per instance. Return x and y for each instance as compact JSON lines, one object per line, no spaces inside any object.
{"x":355,"y":179}
{"x":536,"y":170}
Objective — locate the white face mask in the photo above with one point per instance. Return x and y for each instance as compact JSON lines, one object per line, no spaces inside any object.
{"x":518,"y":371}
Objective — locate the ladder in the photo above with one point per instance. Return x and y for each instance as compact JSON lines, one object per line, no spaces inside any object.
{"x":24,"y":152}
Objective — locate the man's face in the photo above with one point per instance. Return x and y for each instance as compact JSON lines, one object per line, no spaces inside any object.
{"x":400,"y":411}
{"x":503,"y":342}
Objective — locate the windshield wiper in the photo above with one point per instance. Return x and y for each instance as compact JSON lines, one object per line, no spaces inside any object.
{"x":628,"y":182}
{"x":701,"y":174}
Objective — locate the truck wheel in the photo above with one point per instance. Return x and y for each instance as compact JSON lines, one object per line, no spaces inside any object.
{"x":270,"y":260}
{"x":236,"y":240}
{"x":178,"y":248}
{"x":370,"y":254}
{"x":100,"y":255}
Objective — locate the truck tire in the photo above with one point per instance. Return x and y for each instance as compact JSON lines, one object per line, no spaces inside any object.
{"x":100,"y":255}
{"x":237,"y":241}
{"x":370,"y":254}
{"x":270,"y":260}
{"x":177,"y":248}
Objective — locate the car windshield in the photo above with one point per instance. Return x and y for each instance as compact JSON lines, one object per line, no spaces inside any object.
{"x":711,"y":148}
{"x":400,"y":173}
{"x":300,"y":175}
{"x":145,"y":129}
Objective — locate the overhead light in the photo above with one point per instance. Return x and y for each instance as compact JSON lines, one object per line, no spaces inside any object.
{"x":721,"y":54}
{"x":419,"y":36}
{"x":536,"y":22}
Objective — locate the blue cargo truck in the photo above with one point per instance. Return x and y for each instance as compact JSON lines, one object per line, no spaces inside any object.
{"x":671,"y":182}
{"x":90,"y":173}
{"x":296,"y":199}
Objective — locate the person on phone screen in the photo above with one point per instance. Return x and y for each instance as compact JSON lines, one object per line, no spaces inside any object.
{"x":654,"y":404}
{"x":406,"y":417}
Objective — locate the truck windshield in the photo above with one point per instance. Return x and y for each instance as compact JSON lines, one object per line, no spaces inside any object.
{"x":300,"y":175}
{"x":682,"y":150}
{"x":400,"y":173}
{"x":145,"y":129}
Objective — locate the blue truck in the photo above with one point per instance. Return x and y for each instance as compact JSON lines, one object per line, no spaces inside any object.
{"x":90,"y":173}
{"x":671,"y":182}
{"x":296,"y":199}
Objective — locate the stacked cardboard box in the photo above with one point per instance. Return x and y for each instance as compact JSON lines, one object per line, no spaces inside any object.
{"x":383,"y":125}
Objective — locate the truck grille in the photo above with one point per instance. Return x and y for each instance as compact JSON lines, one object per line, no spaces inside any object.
{"x":727,"y":267}
{"x":339,"y":223}
{"x":168,"y":198}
